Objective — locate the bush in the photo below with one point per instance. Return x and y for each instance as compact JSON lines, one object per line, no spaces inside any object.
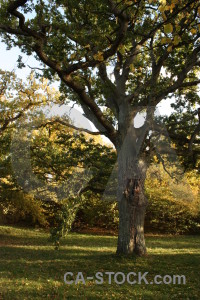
{"x":17,"y":207}
{"x":174,"y":206}
{"x":63,"y":218}
{"x":98,"y":213}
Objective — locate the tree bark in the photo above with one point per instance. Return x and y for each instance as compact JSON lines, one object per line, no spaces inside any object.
{"x":132,"y":202}
{"x":131,"y":222}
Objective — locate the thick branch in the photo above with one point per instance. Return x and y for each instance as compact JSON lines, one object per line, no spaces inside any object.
{"x":113,"y":96}
{"x":85,"y":99}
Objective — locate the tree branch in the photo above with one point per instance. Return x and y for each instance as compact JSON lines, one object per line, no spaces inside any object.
{"x":64,"y":74}
{"x":19,"y":115}
{"x":59,"y":121}
{"x":190,"y":63}
{"x":113,"y":96}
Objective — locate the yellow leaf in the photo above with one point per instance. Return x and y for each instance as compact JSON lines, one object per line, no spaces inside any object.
{"x":155,"y":158}
{"x":129,"y":2}
{"x":73,"y":56}
{"x":193,"y":31}
{"x":165,"y":40}
{"x":161,"y":8}
{"x":169,"y":49}
{"x":87,"y":46}
{"x":99,"y":56}
{"x":35,"y":132}
{"x":168,"y":28}
{"x":172,"y":7}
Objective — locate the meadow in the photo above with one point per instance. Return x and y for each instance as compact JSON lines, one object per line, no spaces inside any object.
{"x":30,"y":267}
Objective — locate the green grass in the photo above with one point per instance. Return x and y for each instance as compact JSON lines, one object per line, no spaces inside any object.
{"x":30,"y":268}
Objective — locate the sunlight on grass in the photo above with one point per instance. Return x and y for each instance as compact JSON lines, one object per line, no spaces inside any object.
{"x":30,"y":268}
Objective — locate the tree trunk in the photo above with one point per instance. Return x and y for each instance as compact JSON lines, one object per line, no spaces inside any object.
{"x":131,"y":199}
{"x":131,"y":222}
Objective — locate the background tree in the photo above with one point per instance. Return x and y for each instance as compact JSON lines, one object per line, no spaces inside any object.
{"x":18,"y":102}
{"x":17,"y":98}
{"x":151,"y":50}
{"x":57,"y":154}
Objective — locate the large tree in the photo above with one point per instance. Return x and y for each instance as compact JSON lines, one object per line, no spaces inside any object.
{"x":115,"y":59}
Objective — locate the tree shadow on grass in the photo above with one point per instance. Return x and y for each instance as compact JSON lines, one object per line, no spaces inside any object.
{"x":26,"y":262}
{"x":33,"y":262}
{"x":74,"y":239}
{"x":176,"y":241}
{"x":45,"y":270}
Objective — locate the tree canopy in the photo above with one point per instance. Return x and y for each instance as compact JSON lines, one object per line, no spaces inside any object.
{"x":117,"y":59}
{"x":151,"y":48}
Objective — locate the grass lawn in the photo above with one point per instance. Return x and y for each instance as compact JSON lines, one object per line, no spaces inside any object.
{"x":30,"y":268}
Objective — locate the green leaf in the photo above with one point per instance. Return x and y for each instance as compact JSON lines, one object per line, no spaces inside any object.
{"x":177,"y":40}
{"x":168,"y":28}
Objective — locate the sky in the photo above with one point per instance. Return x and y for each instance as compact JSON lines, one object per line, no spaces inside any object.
{"x":8,"y":61}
